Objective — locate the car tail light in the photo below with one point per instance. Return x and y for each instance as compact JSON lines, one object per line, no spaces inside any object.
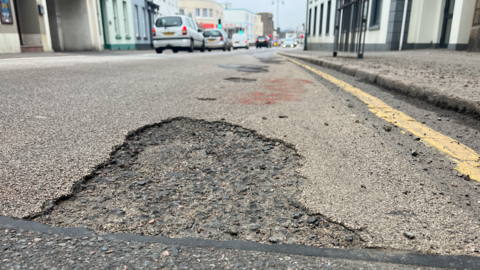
{"x":245,"y":41}
{"x":154,"y":32}
{"x":257,"y":40}
{"x":221,"y":38}
{"x":184,"y":31}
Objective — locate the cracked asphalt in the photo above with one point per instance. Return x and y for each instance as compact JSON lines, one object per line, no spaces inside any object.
{"x":63,"y":119}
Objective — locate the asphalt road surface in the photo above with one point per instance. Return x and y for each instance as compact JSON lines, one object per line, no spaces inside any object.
{"x":225,"y":160}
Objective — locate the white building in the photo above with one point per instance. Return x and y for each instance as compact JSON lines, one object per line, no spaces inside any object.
{"x":428,"y":24}
{"x":237,"y":20}
{"x":168,"y":7}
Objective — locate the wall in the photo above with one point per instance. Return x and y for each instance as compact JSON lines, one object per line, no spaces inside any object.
{"x":29,"y":22}
{"x":474,"y":39}
{"x":9,"y":36}
{"x":141,"y":25}
{"x":79,"y":25}
{"x":168,"y":7}
{"x":242,"y":18}
{"x":192,"y":5}
{"x":267,"y":20}
{"x":258,"y":26}
{"x":461,"y":22}
{"x":124,"y":39}
{"x":323,"y":41}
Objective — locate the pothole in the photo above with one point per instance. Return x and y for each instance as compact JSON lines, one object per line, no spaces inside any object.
{"x":247,"y":68}
{"x":190,"y":178}
{"x":233,"y":79}
{"x":207,"y":99}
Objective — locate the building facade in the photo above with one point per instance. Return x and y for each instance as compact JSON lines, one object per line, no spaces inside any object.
{"x":168,"y":7}
{"x":205,"y":13}
{"x":428,"y":24}
{"x":474,"y":39}
{"x":240,"y":20}
{"x":50,"y":25}
{"x":258,"y":26}
{"x":268,"y":25}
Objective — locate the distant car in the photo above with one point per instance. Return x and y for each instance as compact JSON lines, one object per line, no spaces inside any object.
{"x":240,"y":41}
{"x":217,"y":40}
{"x":177,"y":33}
{"x":289,"y":43}
{"x":263,"y":41}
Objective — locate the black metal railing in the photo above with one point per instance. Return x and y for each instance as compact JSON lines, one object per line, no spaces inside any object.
{"x":350,"y":26}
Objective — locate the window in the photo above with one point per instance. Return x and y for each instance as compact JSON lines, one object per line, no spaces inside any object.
{"x":147,"y":26}
{"x":136,"y":21}
{"x":376,"y":11}
{"x":205,"y":14}
{"x":315,"y":22}
{"x":182,"y":12}
{"x":329,"y":8}
{"x":125,"y":17}
{"x":168,"y":21}
{"x":115,"y":17}
{"x":197,"y":12}
{"x":321,"y":19}
{"x":211,"y":13}
{"x":309,"y":21}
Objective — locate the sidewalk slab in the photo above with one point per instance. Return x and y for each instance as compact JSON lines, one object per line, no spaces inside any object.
{"x":443,"y":78}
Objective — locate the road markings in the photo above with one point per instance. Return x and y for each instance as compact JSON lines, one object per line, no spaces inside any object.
{"x":467,"y":160}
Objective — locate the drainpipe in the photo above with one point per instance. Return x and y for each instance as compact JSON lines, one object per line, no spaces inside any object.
{"x":306,"y":29}
{"x":403,"y":24}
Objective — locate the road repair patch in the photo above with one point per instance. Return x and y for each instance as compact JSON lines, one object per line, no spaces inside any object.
{"x":210,"y":180}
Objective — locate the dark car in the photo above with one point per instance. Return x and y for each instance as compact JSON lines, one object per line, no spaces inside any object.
{"x":263,"y":41}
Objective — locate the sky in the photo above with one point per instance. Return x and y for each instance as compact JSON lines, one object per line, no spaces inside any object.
{"x":292,"y":12}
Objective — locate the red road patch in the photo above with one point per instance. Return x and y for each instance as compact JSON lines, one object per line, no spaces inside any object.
{"x":277,"y":90}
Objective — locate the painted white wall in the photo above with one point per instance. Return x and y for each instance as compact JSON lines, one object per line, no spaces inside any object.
{"x":80,"y":25}
{"x":45,"y":28}
{"x":372,"y":37}
{"x":462,"y":21}
{"x":243,"y":18}
{"x":10,"y":43}
{"x":167,"y":7}
{"x":426,"y":21}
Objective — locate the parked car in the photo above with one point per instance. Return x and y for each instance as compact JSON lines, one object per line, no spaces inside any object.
{"x":290,"y":43}
{"x":240,"y":41}
{"x":177,"y":33}
{"x":263,"y":41}
{"x":217,"y":40}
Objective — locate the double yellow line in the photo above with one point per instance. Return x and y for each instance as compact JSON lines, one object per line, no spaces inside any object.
{"x":467,"y":160}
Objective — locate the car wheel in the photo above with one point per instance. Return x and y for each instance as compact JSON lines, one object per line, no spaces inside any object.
{"x":209,"y":50}
{"x":248,"y":47}
{"x":192,"y":47}
{"x":158,"y":50}
{"x":230,"y":48}
{"x":225,"y":48}
{"x":203,"y":47}
{"x":175,"y":50}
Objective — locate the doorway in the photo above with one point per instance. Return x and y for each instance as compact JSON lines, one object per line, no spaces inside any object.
{"x":447,"y":23}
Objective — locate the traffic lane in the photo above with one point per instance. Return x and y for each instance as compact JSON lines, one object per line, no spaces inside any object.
{"x":372,"y":183}
{"x":61,"y":117}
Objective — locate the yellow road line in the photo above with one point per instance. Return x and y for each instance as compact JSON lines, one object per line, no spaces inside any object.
{"x":468,"y":161}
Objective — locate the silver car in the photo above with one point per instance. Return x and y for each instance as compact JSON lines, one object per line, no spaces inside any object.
{"x":217,"y":39}
{"x":289,"y":43}
{"x":177,"y":33}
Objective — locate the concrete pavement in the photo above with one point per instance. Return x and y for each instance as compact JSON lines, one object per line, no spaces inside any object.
{"x":448,"y":79}
{"x":60,"y":117}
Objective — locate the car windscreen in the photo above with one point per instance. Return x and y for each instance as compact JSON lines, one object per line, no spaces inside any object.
{"x":212,"y":33}
{"x":169,"y":22}
{"x":289,"y":40}
{"x":261,"y":38}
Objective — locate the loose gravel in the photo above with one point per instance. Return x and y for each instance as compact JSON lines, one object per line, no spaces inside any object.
{"x":20,"y":249}
{"x":210,"y":180}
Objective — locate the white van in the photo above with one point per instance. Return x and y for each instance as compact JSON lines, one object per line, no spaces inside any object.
{"x":240,"y":41}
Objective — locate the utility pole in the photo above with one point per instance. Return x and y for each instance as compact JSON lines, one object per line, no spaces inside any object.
{"x":307,"y":25}
{"x":278,"y":8}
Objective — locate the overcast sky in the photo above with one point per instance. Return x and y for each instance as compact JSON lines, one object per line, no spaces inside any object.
{"x":292,"y":13}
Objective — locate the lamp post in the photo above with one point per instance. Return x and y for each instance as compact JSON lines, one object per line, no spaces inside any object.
{"x":278,"y":7}
{"x":306,"y":29}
